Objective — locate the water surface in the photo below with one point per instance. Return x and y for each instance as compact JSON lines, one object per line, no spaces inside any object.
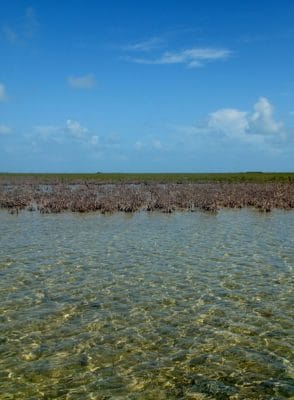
{"x":146,"y":306}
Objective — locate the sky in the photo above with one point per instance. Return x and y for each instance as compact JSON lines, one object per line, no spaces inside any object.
{"x":149,"y":86}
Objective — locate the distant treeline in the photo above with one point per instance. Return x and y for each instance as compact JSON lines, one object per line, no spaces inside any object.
{"x":101,"y":177}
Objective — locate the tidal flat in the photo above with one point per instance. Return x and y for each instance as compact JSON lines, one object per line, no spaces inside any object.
{"x":147,"y":305}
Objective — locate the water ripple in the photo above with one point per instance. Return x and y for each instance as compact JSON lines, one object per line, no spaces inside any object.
{"x":148,"y":306}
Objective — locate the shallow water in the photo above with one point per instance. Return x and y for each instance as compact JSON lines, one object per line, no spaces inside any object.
{"x":146,"y":306}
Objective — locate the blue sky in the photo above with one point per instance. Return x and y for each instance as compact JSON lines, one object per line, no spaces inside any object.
{"x":187,"y":86}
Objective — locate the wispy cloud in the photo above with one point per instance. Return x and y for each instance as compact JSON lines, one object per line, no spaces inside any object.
{"x":4,"y":130}
{"x":191,"y":58}
{"x":31,"y":24}
{"x":75,"y":128}
{"x":72,"y":131}
{"x":82,"y":82}
{"x":10,"y":35}
{"x":21,"y":33}
{"x":249,"y":38}
{"x":139,"y":145}
{"x":2,"y":92}
{"x":156,"y":144}
{"x":145,"y":45}
{"x":151,"y":144}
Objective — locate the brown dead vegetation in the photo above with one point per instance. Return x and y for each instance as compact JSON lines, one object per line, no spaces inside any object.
{"x":86,"y":197}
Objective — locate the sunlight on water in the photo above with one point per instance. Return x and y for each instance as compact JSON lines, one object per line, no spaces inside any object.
{"x":146,"y":306}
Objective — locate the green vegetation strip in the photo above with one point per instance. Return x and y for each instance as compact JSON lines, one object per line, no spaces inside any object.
{"x":149,"y":177}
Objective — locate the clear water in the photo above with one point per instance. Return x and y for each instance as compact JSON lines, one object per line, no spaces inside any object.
{"x":146,"y":306}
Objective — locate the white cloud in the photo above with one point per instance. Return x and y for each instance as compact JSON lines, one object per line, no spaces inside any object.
{"x":261,"y":121}
{"x":82,"y":82}
{"x":194,"y":57}
{"x":145,"y":45}
{"x":4,"y":130}
{"x":2,"y":92}
{"x":75,"y":128}
{"x":229,"y":121}
{"x":231,"y":126}
{"x":257,"y":127}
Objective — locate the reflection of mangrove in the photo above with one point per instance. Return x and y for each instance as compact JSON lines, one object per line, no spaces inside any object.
{"x":84,"y":197}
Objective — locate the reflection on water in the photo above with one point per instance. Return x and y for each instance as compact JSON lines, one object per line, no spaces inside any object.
{"x":148,"y":306}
